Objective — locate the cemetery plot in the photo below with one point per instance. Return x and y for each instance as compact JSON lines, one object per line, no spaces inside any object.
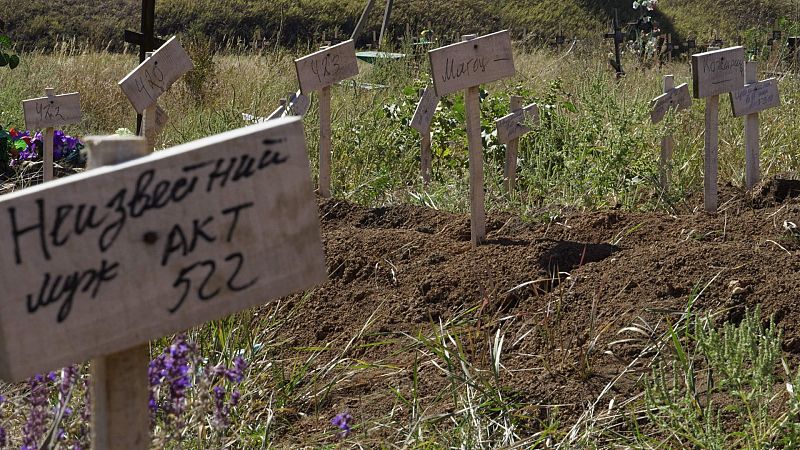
{"x":213,"y":226}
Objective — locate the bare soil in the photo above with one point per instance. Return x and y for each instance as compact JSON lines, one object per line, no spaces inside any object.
{"x":561,"y":293}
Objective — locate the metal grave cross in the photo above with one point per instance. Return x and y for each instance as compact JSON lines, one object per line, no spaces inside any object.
{"x":619,"y":38}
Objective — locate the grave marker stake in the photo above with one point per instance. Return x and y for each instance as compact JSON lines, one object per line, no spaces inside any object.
{"x":509,"y":129}
{"x":466,"y":65}
{"x":421,"y":121}
{"x":756,"y":96}
{"x":619,"y":38}
{"x":667,"y":142}
{"x":46,"y":113}
{"x":318,"y":72}
{"x":715,"y":72}
{"x":672,"y":99}
{"x":512,"y":149}
{"x":120,"y":387}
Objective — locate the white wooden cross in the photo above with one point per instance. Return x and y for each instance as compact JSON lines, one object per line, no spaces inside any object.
{"x":465,"y":66}
{"x":150,"y":79}
{"x":714,"y":73}
{"x":102,"y":262}
{"x":421,"y":121}
{"x":673,"y":99}
{"x":756,"y":96}
{"x":317,"y":72}
{"x":46,"y":113}
{"x":509,"y":129}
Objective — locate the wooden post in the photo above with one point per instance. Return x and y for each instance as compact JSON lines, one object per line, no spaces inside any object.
{"x":426,"y":159}
{"x":710,"y":164}
{"x":512,"y":149}
{"x":386,"y":14}
{"x":325,"y":142}
{"x":362,"y":21}
{"x":751,"y":134}
{"x":47,"y":157}
{"x":476,"y":194}
{"x":120,"y":387}
{"x":667,"y":144}
{"x":421,"y":121}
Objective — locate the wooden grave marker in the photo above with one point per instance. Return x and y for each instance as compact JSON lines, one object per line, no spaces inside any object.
{"x":421,"y":121}
{"x":317,"y":72}
{"x":509,"y":129}
{"x":467,"y":65}
{"x":755,"y":97}
{"x":214,"y":226}
{"x":45,"y":114}
{"x":150,"y":79}
{"x":146,"y":40}
{"x":714,"y":73}
{"x":673,"y":99}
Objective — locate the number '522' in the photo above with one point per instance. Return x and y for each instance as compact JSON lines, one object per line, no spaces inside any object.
{"x":206,"y":270}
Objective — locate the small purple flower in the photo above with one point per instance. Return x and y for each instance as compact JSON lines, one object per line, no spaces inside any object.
{"x":3,"y":436}
{"x":35,"y":427}
{"x":343,"y":422}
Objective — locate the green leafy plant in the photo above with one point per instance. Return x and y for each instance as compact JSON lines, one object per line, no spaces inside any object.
{"x":6,"y":58}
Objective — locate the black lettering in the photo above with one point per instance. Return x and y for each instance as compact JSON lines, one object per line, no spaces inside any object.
{"x":111,"y":232}
{"x":62,"y":212}
{"x":199,"y":232}
{"x":176,"y":240}
{"x":269,"y":158}
{"x":220,"y":173}
{"x":235,"y":210}
{"x":89,"y":222}
{"x":245,"y":168}
{"x":17,"y":232}
{"x":240,"y":258}
{"x":141,"y":200}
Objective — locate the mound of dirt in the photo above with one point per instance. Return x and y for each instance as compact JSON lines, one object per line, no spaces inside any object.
{"x":562,"y":293}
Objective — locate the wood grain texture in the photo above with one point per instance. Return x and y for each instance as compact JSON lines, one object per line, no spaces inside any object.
{"x":512,"y":147}
{"x":675,"y":99}
{"x":52,"y":111}
{"x":423,"y":114}
{"x":667,"y":142}
{"x":755,"y":97}
{"x":710,"y":163}
{"x":326,"y":67}
{"x":471,"y":63}
{"x":477,"y":200}
{"x":150,"y":79}
{"x":325,"y":144}
{"x":426,"y":158}
{"x":214,"y":226}
{"x":752,"y":128}
{"x":717,"y":72}
{"x":120,"y":387}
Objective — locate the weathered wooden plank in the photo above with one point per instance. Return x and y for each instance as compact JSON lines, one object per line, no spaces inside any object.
{"x":718,"y":72}
{"x":676,"y":99}
{"x":52,"y":111}
{"x":755,"y":97}
{"x":113,"y":257}
{"x":470,"y":63}
{"x":710,"y":162}
{"x":515,"y":125}
{"x":156,"y":74}
{"x":423,"y":115}
{"x":327,"y":66}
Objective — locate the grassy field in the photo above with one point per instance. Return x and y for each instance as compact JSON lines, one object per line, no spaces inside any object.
{"x":295,"y":23}
{"x":595,"y":149}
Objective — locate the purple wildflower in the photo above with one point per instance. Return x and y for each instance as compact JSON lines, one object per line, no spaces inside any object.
{"x":170,"y":372}
{"x":3,"y":436}
{"x":343,"y":422}
{"x":35,"y":427}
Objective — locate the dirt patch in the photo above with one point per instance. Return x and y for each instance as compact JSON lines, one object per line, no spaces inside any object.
{"x":561,"y":293}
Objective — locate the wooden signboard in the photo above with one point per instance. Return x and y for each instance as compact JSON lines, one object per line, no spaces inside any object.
{"x":156,"y":74}
{"x":515,"y":125}
{"x":471,"y":63}
{"x":718,"y":72}
{"x":421,"y":121}
{"x":423,"y":115}
{"x":52,"y":111}
{"x":676,"y":99}
{"x":327,"y":66}
{"x":755,"y":97}
{"x":46,"y":113}
{"x":715,"y":72}
{"x":317,"y":72}
{"x":111,"y":258}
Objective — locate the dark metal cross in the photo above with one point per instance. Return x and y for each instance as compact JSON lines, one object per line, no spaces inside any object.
{"x":146,"y":40}
{"x":619,"y":38}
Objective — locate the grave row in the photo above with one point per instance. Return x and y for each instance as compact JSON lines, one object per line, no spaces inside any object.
{"x":212,"y":234}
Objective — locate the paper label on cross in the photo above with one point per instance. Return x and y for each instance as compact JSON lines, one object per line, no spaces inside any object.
{"x":471,"y":63}
{"x":676,"y":99}
{"x":111,"y":258}
{"x":327,"y":66}
{"x":515,"y":125}
{"x":718,"y":72}
{"x":52,"y":112}
{"x":423,"y":114}
{"x":145,"y":84}
{"x":755,"y":97}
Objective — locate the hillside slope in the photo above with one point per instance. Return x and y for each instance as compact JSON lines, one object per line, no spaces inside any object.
{"x":297,"y":21}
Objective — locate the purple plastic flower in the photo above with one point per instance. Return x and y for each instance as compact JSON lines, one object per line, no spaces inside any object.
{"x":343,"y":422}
